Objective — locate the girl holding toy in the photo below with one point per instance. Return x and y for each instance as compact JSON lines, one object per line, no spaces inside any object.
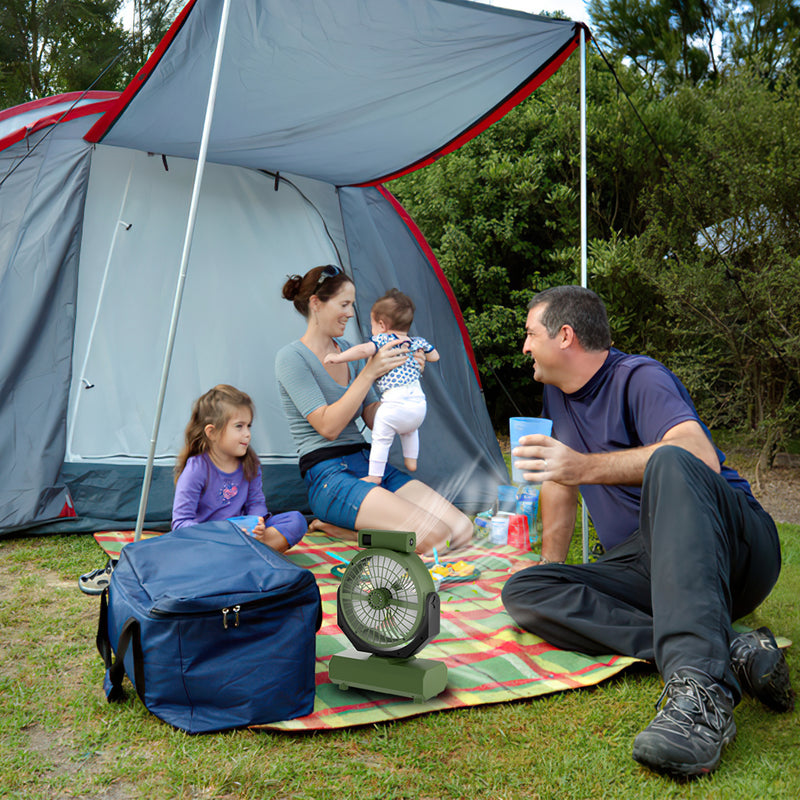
{"x":218,"y":475}
{"x":321,"y":403}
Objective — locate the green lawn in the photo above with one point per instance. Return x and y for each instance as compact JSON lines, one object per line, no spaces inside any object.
{"x":60,"y":739}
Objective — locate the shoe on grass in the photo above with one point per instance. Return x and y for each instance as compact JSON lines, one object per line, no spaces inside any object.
{"x":98,"y":579}
{"x":694,"y":723}
{"x":760,"y":667}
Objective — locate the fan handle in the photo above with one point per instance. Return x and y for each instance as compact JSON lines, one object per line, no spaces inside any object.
{"x":399,"y":541}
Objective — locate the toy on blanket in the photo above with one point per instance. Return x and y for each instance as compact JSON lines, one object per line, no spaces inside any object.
{"x":450,"y":572}
{"x":459,"y":571}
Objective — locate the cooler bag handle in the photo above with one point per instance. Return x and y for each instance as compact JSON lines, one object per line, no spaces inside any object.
{"x":115,"y":669}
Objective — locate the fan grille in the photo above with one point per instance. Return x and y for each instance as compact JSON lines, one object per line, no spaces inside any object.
{"x":381,"y":600}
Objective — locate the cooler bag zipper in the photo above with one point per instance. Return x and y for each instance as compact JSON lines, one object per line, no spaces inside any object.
{"x":225,"y":611}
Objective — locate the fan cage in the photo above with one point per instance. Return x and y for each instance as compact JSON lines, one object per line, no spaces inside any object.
{"x":382,"y":598}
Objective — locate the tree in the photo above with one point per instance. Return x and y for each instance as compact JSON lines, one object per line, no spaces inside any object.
{"x":722,"y":251}
{"x":149,"y":22}
{"x":678,"y":41}
{"x":670,"y":41}
{"x":763,"y":36}
{"x":52,"y":46}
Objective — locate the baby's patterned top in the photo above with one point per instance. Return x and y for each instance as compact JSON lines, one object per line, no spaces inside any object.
{"x":408,"y":371}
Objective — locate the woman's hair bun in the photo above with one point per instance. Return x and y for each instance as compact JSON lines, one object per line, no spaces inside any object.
{"x":292,"y":287}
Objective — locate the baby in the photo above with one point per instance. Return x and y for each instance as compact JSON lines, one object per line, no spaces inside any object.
{"x":403,"y":406}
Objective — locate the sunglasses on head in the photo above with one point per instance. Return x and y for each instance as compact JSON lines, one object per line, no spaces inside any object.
{"x":328,"y":271}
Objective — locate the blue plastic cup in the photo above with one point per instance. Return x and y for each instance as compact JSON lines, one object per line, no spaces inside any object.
{"x":524,"y":426}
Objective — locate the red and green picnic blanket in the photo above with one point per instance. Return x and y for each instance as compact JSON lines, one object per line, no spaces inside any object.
{"x":489,"y":659}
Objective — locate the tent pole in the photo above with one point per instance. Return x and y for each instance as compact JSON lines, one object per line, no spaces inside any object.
{"x":83,"y":384}
{"x":584,"y":244}
{"x":187,"y":246}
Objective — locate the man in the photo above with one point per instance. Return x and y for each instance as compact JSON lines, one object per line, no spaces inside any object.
{"x":688,"y":548}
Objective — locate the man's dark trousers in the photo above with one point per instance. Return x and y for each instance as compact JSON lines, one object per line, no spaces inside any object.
{"x":702,"y":557}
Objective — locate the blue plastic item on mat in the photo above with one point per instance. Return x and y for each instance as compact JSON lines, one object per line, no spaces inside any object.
{"x":247,"y":523}
{"x":527,"y":504}
{"x":506,"y":498}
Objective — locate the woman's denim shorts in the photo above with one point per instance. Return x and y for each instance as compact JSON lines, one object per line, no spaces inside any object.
{"x":335,"y":491}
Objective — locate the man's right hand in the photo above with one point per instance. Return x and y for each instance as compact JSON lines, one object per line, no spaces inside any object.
{"x":543,"y":458}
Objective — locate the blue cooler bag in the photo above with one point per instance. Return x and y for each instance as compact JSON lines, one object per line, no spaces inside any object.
{"x":215,"y":629}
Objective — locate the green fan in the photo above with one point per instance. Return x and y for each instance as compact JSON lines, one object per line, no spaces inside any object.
{"x":388,"y":608}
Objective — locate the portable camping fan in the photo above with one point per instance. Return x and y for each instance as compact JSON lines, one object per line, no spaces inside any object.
{"x":388,"y":608}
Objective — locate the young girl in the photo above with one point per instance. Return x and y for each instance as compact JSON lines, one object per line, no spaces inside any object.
{"x":218,"y":475}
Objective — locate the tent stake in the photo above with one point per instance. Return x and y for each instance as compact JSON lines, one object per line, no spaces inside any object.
{"x":187,"y":246}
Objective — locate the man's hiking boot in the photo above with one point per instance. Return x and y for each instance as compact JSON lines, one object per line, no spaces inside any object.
{"x":688,"y":733}
{"x":760,"y":667}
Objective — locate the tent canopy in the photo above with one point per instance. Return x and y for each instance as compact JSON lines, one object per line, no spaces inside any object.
{"x":344,"y":91}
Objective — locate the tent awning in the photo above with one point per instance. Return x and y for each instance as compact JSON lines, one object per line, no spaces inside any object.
{"x":344,"y":91}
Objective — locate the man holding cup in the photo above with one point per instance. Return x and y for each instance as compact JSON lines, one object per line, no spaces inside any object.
{"x":688,"y":548}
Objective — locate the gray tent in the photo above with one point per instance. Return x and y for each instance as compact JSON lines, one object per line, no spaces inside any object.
{"x":318,"y":103}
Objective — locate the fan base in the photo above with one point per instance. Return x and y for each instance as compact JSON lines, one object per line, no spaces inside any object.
{"x":417,"y":678}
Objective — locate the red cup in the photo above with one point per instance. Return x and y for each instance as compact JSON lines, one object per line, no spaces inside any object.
{"x":518,"y":537}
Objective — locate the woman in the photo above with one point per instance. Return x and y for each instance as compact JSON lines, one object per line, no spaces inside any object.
{"x":321,"y":403}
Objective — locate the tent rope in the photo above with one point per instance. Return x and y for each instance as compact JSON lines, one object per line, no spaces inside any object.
{"x":281,"y":179}
{"x":52,"y":127}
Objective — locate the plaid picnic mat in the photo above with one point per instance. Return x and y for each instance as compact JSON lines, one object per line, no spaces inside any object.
{"x":489,"y":659}
{"x":112,"y":542}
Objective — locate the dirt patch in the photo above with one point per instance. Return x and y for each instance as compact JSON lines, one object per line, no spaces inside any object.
{"x":779,"y":492}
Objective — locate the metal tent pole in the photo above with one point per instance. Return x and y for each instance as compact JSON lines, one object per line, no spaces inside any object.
{"x":187,"y":246}
{"x":584,"y":243}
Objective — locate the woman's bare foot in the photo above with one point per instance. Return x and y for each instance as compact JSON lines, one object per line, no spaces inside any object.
{"x":318,"y":526}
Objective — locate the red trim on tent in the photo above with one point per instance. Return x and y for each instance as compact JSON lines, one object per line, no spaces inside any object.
{"x":514,"y":99}
{"x":102,"y":126}
{"x":60,"y":116}
{"x":445,"y":284}
{"x":68,"y":97}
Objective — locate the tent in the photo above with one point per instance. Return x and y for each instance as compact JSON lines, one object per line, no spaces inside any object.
{"x":318,"y":103}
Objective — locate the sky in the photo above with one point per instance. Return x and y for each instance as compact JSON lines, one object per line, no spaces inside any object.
{"x":574,"y":9}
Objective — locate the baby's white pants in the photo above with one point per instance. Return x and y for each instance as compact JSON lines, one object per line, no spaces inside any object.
{"x":401,"y":412}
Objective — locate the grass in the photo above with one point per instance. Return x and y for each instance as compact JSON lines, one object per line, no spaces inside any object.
{"x":60,"y":739}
